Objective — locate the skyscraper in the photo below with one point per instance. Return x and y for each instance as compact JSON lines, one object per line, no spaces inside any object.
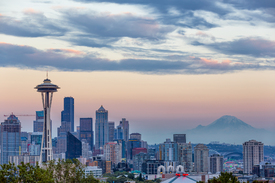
{"x":111,"y":126}
{"x":101,"y":128}
{"x":125,"y":126}
{"x":86,"y":131}
{"x":68,"y":113}
{"x":74,"y":147}
{"x":253,"y":154}
{"x":10,"y":138}
{"x":201,"y":152}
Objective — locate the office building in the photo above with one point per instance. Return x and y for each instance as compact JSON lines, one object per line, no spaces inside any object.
{"x":216,"y":163}
{"x":36,"y":138}
{"x":86,"y":148}
{"x":10,"y":138}
{"x":74,"y":147}
{"x":179,"y":138}
{"x":168,"y":151}
{"x":34,"y":149}
{"x":253,"y":154}
{"x":139,"y":159}
{"x":101,"y":128}
{"x":125,"y":127}
{"x":97,"y":172}
{"x":185,"y":156}
{"x":64,"y":128}
{"x":112,"y":152}
{"x":201,"y":153}
{"x":68,"y":113}
{"x":123,"y":148}
{"x":38,"y":123}
{"x":24,"y":145}
{"x":111,"y":126}
{"x":18,"y":159}
{"x":135,"y":136}
{"x":136,"y":151}
{"x":118,"y":133}
{"x":151,"y":166}
{"x":86,"y":131}
{"x":132,"y":144}
{"x":61,"y":143}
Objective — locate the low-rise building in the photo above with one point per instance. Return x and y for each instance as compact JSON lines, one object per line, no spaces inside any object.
{"x":96,"y":171}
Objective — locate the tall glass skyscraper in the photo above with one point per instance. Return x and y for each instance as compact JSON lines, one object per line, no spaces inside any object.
{"x":86,"y":131}
{"x":10,"y":138}
{"x":101,"y":128}
{"x":68,"y":113}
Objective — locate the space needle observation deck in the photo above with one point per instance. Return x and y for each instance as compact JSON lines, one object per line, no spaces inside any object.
{"x":46,"y":89}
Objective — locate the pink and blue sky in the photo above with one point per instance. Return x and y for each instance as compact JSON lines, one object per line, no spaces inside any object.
{"x":166,"y":66}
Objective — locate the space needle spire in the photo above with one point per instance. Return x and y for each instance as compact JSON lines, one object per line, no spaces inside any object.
{"x":46,"y":89}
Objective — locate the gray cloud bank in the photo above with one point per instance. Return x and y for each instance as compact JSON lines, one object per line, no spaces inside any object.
{"x":251,"y":46}
{"x":71,"y":60}
{"x":31,"y":25}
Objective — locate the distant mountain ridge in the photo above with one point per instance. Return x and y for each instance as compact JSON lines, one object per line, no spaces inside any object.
{"x":229,"y":129}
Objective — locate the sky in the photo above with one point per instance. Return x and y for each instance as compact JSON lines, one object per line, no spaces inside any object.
{"x":166,"y":66}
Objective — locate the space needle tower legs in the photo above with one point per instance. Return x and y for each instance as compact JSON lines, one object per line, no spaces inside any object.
{"x":46,"y":89}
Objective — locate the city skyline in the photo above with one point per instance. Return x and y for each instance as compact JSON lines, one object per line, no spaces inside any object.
{"x":160,"y":65}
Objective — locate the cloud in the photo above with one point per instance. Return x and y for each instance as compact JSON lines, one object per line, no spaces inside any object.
{"x":33,"y":24}
{"x":109,"y":25}
{"x":252,"y":46}
{"x":74,"y":60}
{"x":164,"y":6}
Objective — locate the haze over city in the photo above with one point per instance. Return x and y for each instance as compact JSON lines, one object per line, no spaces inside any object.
{"x":164,"y":67}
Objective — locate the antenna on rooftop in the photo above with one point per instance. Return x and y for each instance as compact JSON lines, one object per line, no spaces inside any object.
{"x":47,"y":74}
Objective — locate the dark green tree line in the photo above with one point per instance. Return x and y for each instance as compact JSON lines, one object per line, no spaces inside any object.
{"x":53,"y":172}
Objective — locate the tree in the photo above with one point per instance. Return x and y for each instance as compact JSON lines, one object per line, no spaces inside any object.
{"x":225,"y":177}
{"x":8,"y":173}
{"x":140,"y":177}
{"x":33,"y":174}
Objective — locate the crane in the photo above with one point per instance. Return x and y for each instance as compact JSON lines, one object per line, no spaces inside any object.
{"x":7,"y":115}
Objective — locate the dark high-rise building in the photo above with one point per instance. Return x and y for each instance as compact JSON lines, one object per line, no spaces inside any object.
{"x":74,"y":147}
{"x":179,"y":138}
{"x":111,"y":126}
{"x":101,"y":128}
{"x":86,"y":131}
{"x":68,"y":113}
{"x":10,"y":138}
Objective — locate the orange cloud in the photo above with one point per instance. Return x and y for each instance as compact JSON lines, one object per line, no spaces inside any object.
{"x":216,"y":62}
{"x":31,"y":11}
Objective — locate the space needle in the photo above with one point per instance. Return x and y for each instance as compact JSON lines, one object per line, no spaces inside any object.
{"x":46,"y":89}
